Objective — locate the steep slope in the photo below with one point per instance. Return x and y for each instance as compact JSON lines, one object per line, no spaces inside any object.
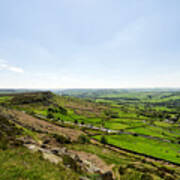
{"x":17,"y":162}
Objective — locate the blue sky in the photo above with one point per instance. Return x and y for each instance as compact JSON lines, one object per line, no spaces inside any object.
{"x":89,"y":43}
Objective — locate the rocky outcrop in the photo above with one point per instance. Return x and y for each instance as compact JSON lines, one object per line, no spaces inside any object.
{"x":70,"y":160}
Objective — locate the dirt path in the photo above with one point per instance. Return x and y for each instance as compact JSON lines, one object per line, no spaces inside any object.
{"x":29,"y":121}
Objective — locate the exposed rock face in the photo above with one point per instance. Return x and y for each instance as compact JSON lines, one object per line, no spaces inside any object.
{"x":52,"y":158}
{"x":56,"y":155}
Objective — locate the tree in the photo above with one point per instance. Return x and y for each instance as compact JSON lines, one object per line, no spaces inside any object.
{"x":103,"y":140}
{"x":50,"y":116}
{"x":62,"y":110}
{"x":50,"y":109}
{"x":75,"y":121}
{"x":150,"y":97}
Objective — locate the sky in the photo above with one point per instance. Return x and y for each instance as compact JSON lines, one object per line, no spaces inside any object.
{"x":89,"y":43}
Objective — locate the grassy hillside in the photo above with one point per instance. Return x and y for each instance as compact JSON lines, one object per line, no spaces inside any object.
{"x":45,"y":124}
{"x":17,"y":162}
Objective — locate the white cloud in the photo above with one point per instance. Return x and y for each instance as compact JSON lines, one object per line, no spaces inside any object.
{"x":5,"y":66}
{"x":15,"y":69}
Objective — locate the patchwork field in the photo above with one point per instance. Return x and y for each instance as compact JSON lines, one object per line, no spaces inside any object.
{"x":149,"y":119}
{"x":120,"y":128}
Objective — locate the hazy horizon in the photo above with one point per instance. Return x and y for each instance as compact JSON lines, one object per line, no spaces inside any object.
{"x":89,"y":44}
{"x":59,"y":89}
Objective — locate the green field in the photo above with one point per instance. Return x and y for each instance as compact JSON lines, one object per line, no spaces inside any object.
{"x":152,"y":115}
{"x":146,"y":146}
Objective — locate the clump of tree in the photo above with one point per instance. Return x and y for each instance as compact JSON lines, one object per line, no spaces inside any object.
{"x":62,"y":110}
{"x":50,"y":116}
{"x":58,"y":119}
{"x":103,"y":140}
{"x":75,"y":121}
{"x":50,"y":109}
